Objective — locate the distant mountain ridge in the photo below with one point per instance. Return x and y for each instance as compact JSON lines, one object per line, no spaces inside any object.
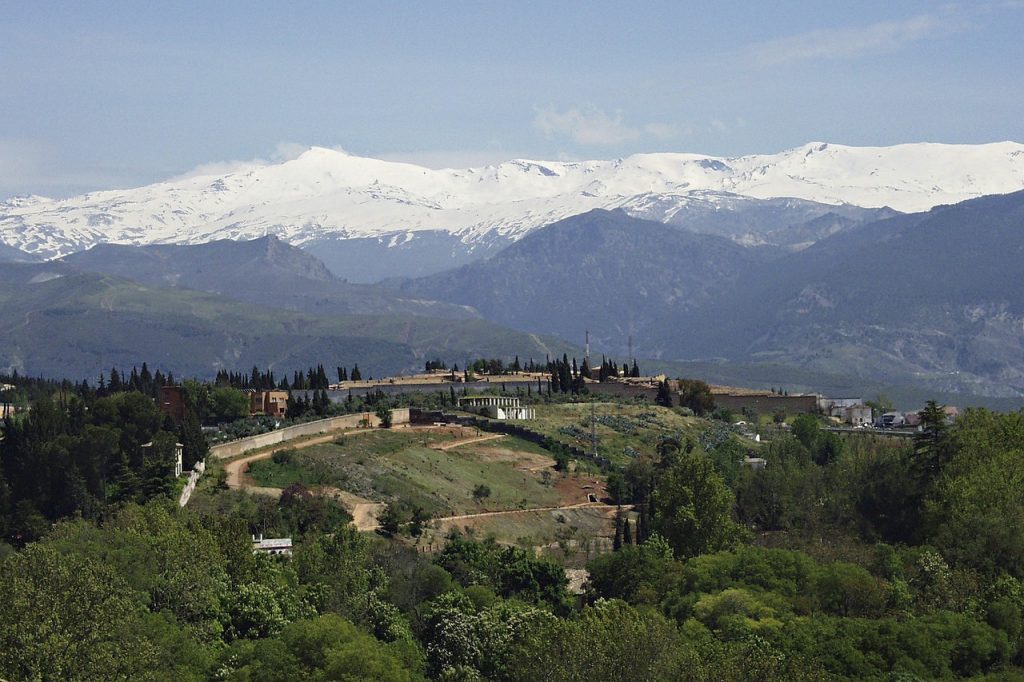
{"x":604,"y":271}
{"x":329,"y":195}
{"x":931,"y":299}
{"x":264,"y":271}
{"x":60,"y":322}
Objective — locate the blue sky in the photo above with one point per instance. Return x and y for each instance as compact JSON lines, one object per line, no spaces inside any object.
{"x":104,"y":94}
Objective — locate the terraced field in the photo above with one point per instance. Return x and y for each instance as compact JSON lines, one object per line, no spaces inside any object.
{"x":430,"y":469}
{"x":623,"y":430}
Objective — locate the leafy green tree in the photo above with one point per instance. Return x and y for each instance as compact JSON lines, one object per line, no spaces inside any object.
{"x":481,"y":492}
{"x":608,"y":641}
{"x":324,"y":648}
{"x":254,"y":611}
{"x":228,"y":404}
{"x":692,"y":507}
{"x":393,"y":518}
{"x":336,"y":567}
{"x":664,"y":395}
{"x":510,"y":571}
{"x":463,"y":642}
{"x":164,"y":553}
{"x":639,"y":574}
{"x":696,"y":395}
{"x":64,"y":617}
{"x":880,"y":405}
{"x":805,"y":428}
{"x":384,"y":415}
{"x":850,"y":591}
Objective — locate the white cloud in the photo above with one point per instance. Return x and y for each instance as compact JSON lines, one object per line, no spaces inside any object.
{"x":452,"y":158}
{"x":283,"y":151}
{"x":854,"y":41}
{"x":591,"y":126}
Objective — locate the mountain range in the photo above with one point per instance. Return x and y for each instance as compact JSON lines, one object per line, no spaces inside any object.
{"x":684,"y":259}
{"x":58,"y":321}
{"x":263,"y":271}
{"x":931,"y":299}
{"x":325,"y":195}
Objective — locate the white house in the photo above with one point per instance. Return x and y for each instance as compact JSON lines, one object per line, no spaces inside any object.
{"x":497,"y":407}
{"x":271,"y":545}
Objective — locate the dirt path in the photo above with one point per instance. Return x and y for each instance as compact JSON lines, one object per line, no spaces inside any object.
{"x":364,"y":512}
{"x":236,"y":468}
{"x":364,"y":515}
{"x":444,"y":446}
{"x":506,"y":512}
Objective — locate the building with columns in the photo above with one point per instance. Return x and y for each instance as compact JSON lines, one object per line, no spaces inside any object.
{"x":496,"y":407}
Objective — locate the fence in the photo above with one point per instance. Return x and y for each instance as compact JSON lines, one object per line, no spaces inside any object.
{"x":348,"y":421}
{"x":193,"y":478}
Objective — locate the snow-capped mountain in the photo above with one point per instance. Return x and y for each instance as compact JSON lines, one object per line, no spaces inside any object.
{"x":328,"y":194}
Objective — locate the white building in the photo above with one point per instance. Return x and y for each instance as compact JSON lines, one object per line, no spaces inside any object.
{"x":271,"y":545}
{"x":850,"y":410}
{"x":497,"y":407}
{"x":179,"y":451}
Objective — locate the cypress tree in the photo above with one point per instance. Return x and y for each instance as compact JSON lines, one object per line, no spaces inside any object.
{"x":664,"y":397}
{"x":627,"y":533}
{"x":642,"y":523}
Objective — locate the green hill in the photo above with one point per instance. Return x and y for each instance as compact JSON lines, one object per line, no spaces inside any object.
{"x":59,"y":322}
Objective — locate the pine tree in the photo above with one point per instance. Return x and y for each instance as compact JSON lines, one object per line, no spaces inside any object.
{"x":931,"y":444}
{"x":115,"y":383}
{"x":664,"y":396}
{"x":643,"y":527}
{"x":194,"y":445}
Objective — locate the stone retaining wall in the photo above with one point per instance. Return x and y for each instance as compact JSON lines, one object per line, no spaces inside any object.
{"x":193,"y":478}
{"x":348,"y":421}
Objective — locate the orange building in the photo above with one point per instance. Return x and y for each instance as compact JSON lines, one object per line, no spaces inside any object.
{"x":269,"y":403}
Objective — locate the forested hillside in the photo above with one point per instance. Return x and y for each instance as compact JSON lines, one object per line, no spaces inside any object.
{"x":60,"y":322}
{"x":846,"y":557}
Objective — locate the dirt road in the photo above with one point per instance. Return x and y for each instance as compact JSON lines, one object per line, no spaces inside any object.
{"x":465,"y":441}
{"x":236,"y":468}
{"x":506,"y":512}
{"x":364,"y":512}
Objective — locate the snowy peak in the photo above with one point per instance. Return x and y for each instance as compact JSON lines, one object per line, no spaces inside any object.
{"x":328,"y":193}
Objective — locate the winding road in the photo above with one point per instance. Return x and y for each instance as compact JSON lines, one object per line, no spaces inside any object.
{"x":364,"y":512}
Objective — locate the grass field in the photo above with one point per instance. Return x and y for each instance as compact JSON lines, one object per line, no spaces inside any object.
{"x":394,"y":465}
{"x":622,"y":429}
